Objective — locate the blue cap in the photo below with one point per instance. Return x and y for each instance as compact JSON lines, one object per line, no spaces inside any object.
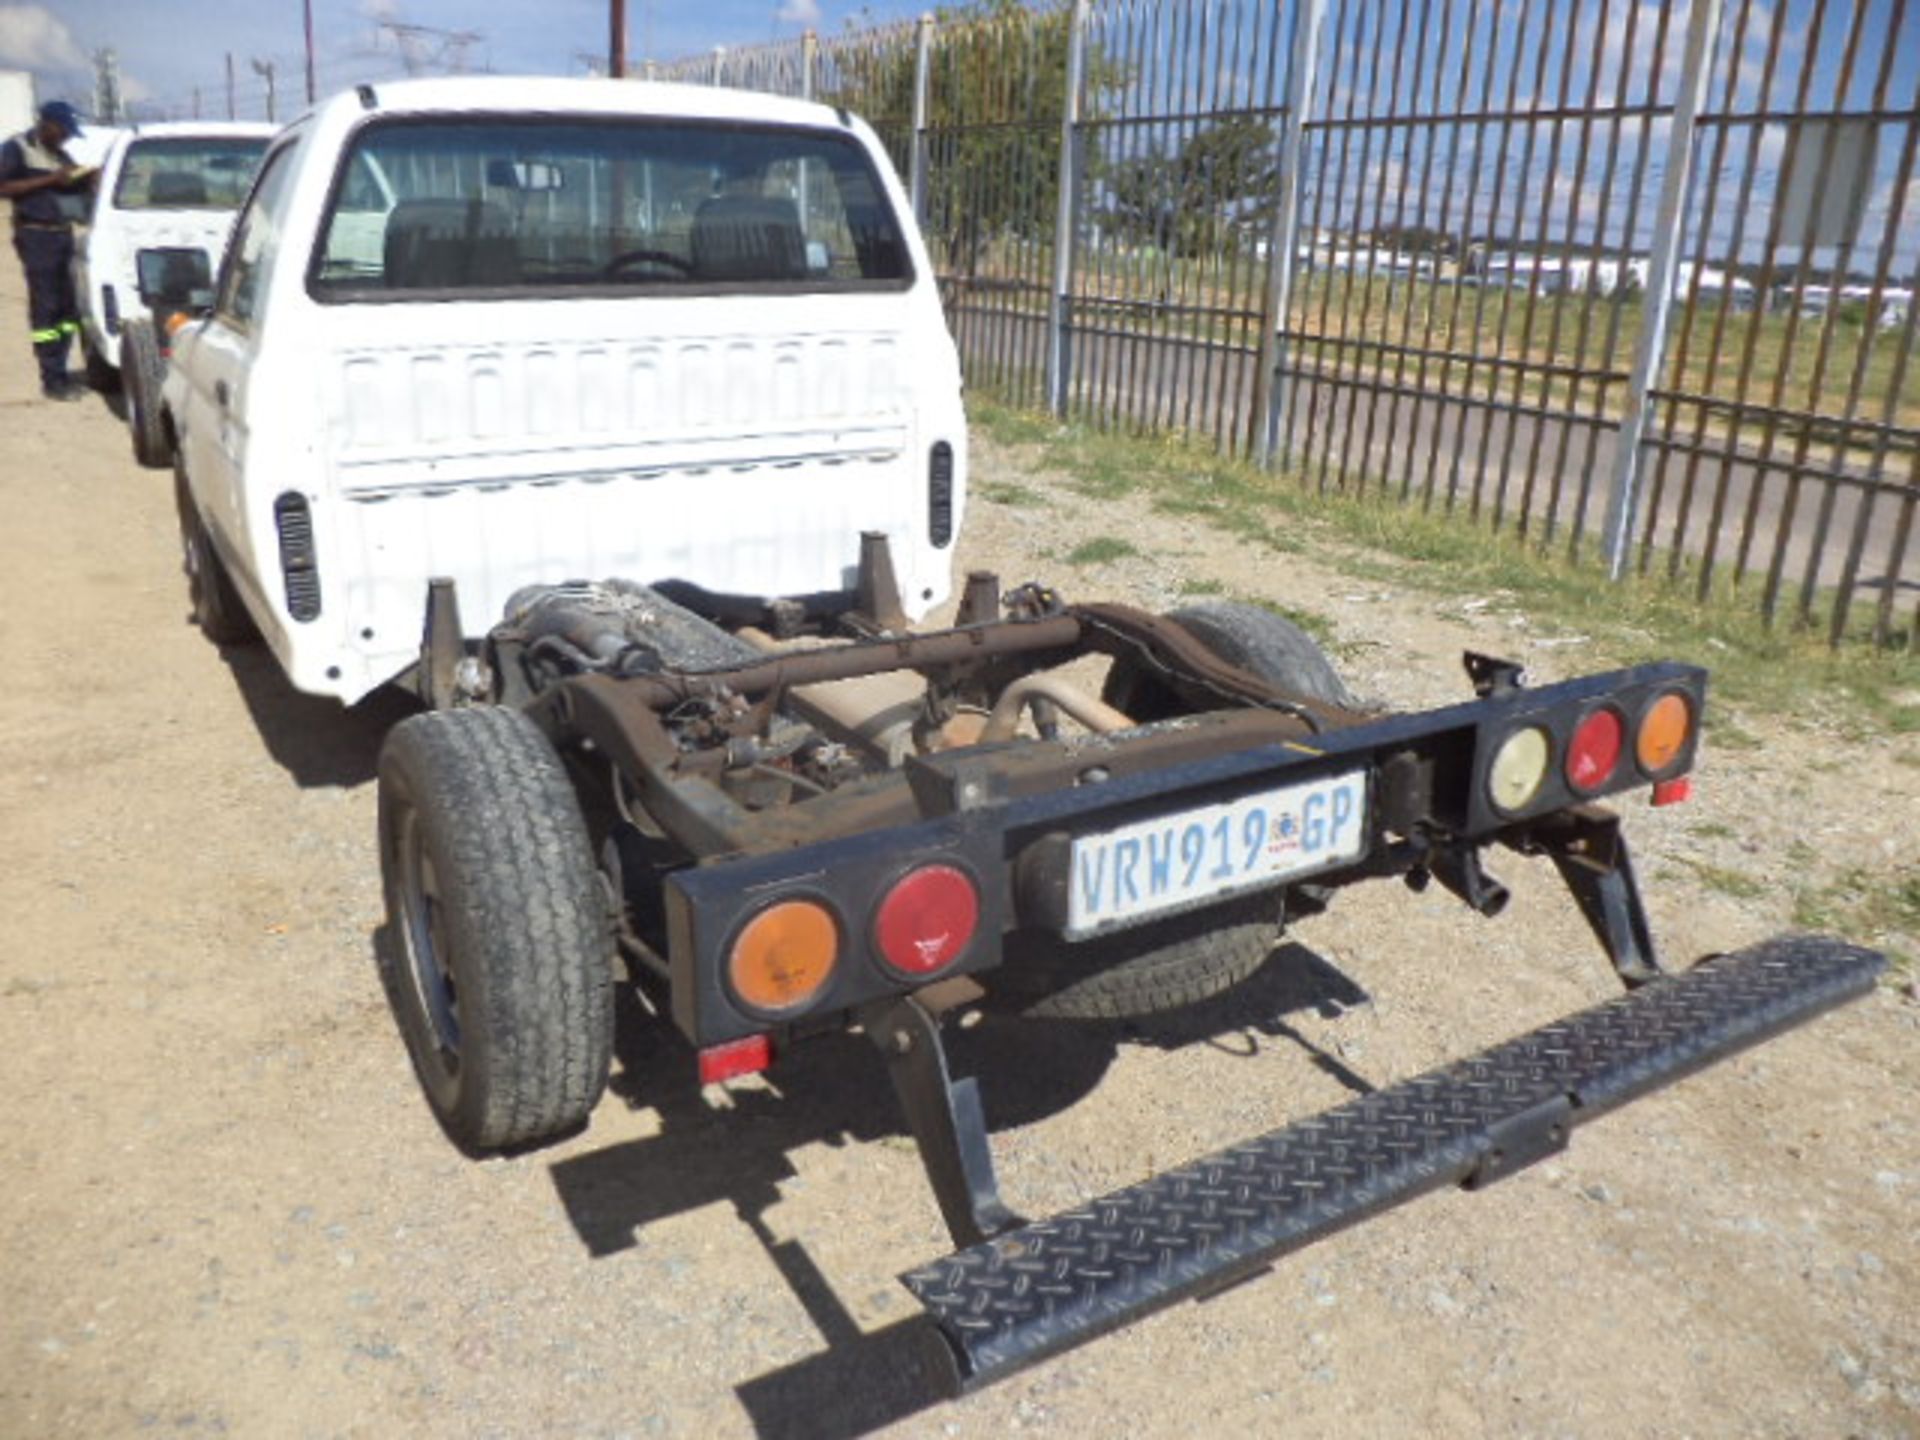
{"x":63,"y":115}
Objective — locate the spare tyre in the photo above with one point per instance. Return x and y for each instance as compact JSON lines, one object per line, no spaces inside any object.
{"x":1161,"y":965}
{"x":1249,"y":636}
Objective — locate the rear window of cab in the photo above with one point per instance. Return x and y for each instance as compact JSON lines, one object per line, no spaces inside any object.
{"x":187,"y":173}
{"x":517,"y":206}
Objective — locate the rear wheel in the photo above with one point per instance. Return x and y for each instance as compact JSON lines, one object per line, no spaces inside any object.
{"x":217,"y":607}
{"x":499,"y":950}
{"x":142,"y":369}
{"x":1249,"y":636}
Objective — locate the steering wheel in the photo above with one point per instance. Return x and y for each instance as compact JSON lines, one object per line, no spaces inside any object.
{"x":628,"y":259}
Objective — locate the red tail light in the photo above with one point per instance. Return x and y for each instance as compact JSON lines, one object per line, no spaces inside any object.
{"x":746,"y":1056}
{"x":1674,"y":791}
{"x":1594,"y":752}
{"x":926,"y":920}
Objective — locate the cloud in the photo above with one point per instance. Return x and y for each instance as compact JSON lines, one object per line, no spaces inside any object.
{"x":799,"y":12}
{"x":34,"y":38}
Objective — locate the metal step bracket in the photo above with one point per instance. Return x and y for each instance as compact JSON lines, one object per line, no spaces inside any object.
{"x":945,"y":1117}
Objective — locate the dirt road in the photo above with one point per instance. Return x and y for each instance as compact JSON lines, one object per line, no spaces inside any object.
{"x":226,"y":1211}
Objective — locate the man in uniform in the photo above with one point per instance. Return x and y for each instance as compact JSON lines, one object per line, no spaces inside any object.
{"x":44,"y":184}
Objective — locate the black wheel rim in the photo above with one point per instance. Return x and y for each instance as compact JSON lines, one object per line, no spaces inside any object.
{"x":423,"y":934}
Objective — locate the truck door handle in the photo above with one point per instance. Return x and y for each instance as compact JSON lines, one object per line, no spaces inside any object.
{"x":220,"y":393}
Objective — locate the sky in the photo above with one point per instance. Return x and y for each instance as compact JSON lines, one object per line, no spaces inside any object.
{"x":1490,"y":55}
{"x":168,"y":48}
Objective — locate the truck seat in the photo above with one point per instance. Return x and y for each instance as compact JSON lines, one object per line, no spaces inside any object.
{"x":176,"y":188}
{"x":449,"y":244}
{"x":748,"y":237}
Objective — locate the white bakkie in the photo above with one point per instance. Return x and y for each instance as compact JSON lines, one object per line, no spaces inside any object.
{"x":165,"y":202}
{"x":521,"y":331}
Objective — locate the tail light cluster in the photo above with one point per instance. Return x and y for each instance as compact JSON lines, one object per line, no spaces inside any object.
{"x":787,"y":954}
{"x":1544,"y":761}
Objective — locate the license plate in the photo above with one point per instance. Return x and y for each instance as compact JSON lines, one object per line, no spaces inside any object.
{"x":1213,"y":851}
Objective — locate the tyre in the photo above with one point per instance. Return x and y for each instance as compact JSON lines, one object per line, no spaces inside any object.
{"x":499,"y":953}
{"x":142,"y":368}
{"x":1249,"y":636}
{"x":217,"y":607}
{"x":101,"y":377}
{"x":1161,"y":965}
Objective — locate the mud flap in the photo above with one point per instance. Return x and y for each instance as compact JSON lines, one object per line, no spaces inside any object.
{"x":1049,"y":1285}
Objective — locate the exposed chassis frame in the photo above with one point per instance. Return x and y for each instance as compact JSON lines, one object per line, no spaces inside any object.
{"x":1008,"y":811}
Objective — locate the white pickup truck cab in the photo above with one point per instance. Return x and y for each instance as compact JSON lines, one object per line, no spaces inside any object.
{"x":519,"y":331}
{"x":166,"y":201}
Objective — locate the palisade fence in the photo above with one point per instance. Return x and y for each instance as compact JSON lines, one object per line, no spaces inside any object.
{"x":1634,"y":278}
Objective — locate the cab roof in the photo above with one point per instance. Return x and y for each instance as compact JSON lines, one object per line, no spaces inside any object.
{"x":200,"y":130}
{"x":553,"y":95}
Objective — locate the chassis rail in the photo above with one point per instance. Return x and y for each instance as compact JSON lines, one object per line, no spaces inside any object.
{"x":1037,"y":1289}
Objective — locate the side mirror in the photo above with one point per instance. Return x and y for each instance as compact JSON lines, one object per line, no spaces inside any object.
{"x":171,"y":276}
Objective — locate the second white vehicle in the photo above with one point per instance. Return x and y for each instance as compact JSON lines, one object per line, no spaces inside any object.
{"x":165,"y":206}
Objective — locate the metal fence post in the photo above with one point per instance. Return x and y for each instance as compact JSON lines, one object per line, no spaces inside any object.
{"x":1623,"y":502}
{"x":1066,"y":226}
{"x":1271,"y":394}
{"x":917,"y":161}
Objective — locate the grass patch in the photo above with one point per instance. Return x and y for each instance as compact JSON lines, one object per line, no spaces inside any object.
{"x":1376,"y":538}
{"x":1726,"y":733}
{"x":1727,"y":882}
{"x":1871,"y":907}
{"x":1007,"y":426}
{"x":1711,"y":830}
{"x":1002,"y":492}
{"x":1100,"y":550}
{"x":1202,"y":587}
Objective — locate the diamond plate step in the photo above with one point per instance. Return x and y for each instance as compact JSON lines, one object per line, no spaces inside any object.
{"x":1053,"y":1284}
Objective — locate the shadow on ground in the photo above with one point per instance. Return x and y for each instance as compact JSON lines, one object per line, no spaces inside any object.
{"x":834,"y":1090}
{"x":319,"y":742}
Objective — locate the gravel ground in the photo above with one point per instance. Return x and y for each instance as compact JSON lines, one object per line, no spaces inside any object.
{"x":227,"y":1211}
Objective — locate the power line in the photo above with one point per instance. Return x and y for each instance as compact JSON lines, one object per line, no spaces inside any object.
{"x":425,"y":49}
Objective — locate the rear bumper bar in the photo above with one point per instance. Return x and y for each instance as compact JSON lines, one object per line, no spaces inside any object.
{"x":1048,"y":1286}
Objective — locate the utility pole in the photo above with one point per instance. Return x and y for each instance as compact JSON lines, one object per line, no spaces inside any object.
{"x":230,"y":108}
{"x":106,"y":87}
{"x":617,"y":40}
{"x":196,"y":102}
{"x":306,"y":7}
{"x":264,"y":68}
